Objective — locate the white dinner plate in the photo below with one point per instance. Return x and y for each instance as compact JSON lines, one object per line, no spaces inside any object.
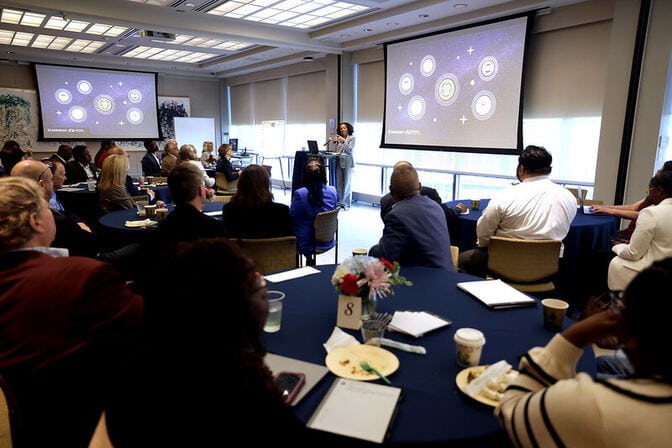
{"x":344,"y":362}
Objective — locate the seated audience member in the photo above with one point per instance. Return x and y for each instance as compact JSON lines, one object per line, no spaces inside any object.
{"x":629,"y":211}
{"x":169,"y":160}
{"x":10,"y":154}
{"x":224,"y":163}
{"x":149,"y":411}
{"x":102,"y":153}
{"x":112,"y":192}
{"x":535,"y":209}
{"x":63,"y":154}
{"x":132,"y":189}
{"x":71,"y":232}
{"x":207,"y":157}
{"x":187,"y":222}
{"x":187,"y":154}
{"x":387,"y":202}
{"x":58,"y":171}
{"x":314,"y":197}
{"x":652,"y":238}
{"x":549,"y":404}
{"x":65,"y":325}
{"x":415,"y":232}
{"x":251,"y":212}
{"x":81,"y":169}
{"x":151,"y":165}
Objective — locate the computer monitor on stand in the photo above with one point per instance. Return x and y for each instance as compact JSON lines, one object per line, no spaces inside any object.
{"x":234,"y":144}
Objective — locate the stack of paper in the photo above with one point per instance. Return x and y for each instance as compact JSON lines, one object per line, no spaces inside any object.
{"x":416,"y":323}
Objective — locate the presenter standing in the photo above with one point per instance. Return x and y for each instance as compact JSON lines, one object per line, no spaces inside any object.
{"x":343,"y":143}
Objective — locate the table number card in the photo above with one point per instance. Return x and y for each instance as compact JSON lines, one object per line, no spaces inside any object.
{"x":349,"y":312}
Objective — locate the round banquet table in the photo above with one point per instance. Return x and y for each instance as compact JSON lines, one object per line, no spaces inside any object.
{"x":432,"y":410}
{"x":113,"y":224}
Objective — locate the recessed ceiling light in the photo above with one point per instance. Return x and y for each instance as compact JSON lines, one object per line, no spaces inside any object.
{"x":367,"y":30}
{"x":189,"y":5}
{"x":460,"y":5}
{"x":392,"y":23}
{"x":423,"y":16}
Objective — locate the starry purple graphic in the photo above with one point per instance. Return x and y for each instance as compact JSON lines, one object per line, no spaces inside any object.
{"x":447,"y":94}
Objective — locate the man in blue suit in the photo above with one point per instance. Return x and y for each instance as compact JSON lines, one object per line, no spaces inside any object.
{"x":415,"y":232}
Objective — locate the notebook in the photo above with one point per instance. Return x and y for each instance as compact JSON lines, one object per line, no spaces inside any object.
{"x":496,"y":294}
{"x":585,"y":209}
{"x":312,"y":147}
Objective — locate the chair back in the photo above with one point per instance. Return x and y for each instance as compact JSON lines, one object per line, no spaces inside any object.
{"x":575,"y":192}
{"x":8,"y":417}
{"x":223,"y":185}
{"x":527,"y":265}
{"x":271,"y":254}
{"x":325,"y":229}
{"x":221,"y":198}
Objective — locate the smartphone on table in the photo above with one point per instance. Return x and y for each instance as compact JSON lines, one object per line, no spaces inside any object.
{"x":290,"y":383}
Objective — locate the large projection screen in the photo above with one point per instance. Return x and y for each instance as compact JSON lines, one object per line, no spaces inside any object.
{"x":79,"y":103}
{"x":459,"y":90}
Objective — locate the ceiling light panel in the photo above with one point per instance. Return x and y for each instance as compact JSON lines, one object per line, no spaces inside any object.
{"x":290,"y":13}
{"x":32,"y":19}
{"x":11,"y":16}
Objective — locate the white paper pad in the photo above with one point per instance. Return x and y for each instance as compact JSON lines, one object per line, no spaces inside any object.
{"x":496,"y":293}
{"x":215,"y":213}
{"x":70,"y":189}
{"x":416,"y":323}
{"x":141,"y":223}
{"x":291,"y":274}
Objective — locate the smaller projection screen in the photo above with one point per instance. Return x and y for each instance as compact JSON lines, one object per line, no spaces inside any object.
{"x":90,"y":104}
{"x":459,"y":90}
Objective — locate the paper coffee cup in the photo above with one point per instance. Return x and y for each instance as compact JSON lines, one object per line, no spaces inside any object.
{"x":150,"y":210}
{"x":475,"y":204}
{"x":469,"y":344}
{"x":554,"y":313}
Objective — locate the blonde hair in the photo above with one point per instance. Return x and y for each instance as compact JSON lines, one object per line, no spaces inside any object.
{"x":21,"y":198}
{"x":113,"y":174}
{"x":187,"y":152}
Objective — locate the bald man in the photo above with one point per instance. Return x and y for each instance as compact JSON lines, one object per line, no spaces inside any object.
{"x":415,"y":232}
{"x":71,"y":232}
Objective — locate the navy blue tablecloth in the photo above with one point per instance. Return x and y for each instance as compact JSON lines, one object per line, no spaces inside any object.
{"x":432,"y":409}
{"x":586,"y":233}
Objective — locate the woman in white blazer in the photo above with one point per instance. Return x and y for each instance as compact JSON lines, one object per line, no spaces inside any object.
{"x":652,"y":238}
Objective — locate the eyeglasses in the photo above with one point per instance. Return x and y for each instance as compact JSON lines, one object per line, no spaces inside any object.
{"x":50,"y":167}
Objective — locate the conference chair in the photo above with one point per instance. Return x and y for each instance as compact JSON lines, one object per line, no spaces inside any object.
{"x":8,"y":416}
{"x":575,"y":192}
{"x":527,"y":265}
{"x":223,"y":185}
{"x":271,"y":254}
{"x":325,"y":229}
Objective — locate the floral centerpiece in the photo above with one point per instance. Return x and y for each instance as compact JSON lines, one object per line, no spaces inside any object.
{"x":369,"y":278}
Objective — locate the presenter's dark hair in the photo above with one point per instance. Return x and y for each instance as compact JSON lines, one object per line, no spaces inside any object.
{"x":536,"y":160}
{"x":351,"y":130}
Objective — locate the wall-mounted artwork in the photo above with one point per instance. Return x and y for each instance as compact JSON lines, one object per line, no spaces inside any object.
{"x":169,"y":108}
{"x":19,"y":118}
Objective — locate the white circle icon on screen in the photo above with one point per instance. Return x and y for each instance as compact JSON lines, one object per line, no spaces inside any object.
{"x":428,"y":65}
{"x":84,"y":87}
{"x":488,"y":68}
{"x":63,"y":96}
{"x":483,"y":105}
{"x":135,"y":116}
{"x":406,"y":83}
{"x":77,"y":114}
{"x":416,"y":107}
{"x":446,"y":89}
{"x":104,"y":104}
{"x":134,"y":96}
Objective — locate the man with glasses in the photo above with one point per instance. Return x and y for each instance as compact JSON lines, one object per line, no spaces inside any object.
{"x":71,"y":233}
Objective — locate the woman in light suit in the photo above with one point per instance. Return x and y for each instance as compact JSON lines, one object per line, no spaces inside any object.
{"x":652,"y":238}
{"x":343,"y":143}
